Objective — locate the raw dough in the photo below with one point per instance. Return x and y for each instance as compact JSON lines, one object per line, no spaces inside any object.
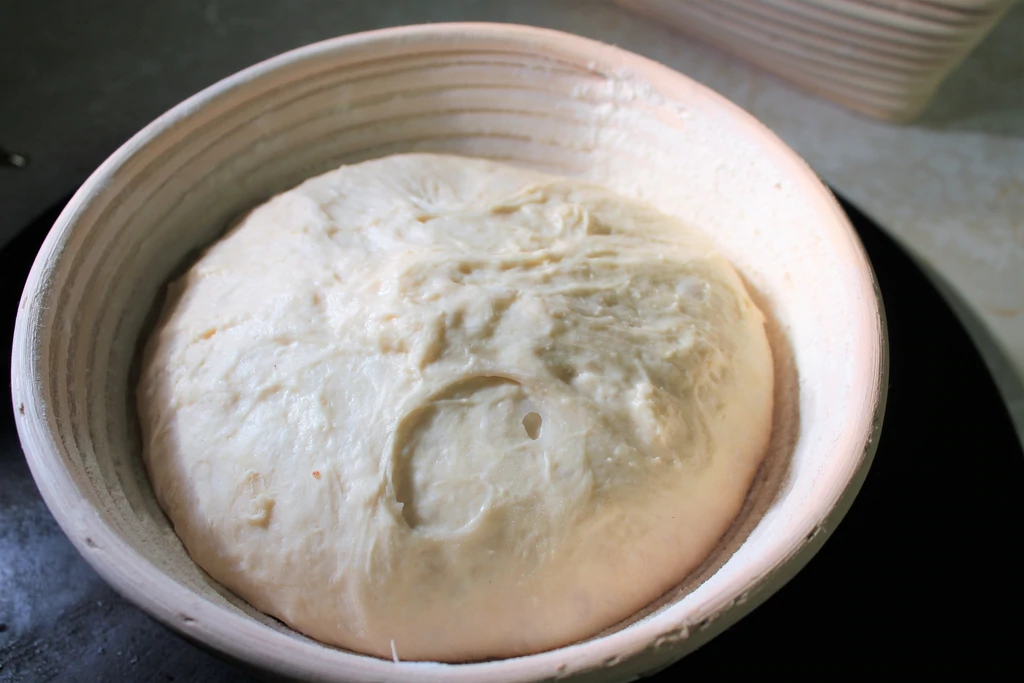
{"x":449,"y":409}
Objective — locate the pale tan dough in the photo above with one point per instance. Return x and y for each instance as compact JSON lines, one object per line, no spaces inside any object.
{"x":454,"y":407}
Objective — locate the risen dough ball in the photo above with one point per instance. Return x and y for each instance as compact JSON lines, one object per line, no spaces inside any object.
{"x":469,"y":409}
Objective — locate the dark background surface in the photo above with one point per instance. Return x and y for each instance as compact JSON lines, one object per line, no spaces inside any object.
{"x":923,"y":574}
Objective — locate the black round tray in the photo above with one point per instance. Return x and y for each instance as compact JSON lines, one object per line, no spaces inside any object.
{"x":922,"y":575}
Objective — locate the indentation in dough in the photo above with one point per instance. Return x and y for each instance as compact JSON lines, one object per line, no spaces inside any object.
{"x":445,"y":483}
{"x":532,"y":422}
{"x":260,"y":508}
{"x":260,"y":503}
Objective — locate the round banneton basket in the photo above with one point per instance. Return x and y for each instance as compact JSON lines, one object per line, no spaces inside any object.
{"x":526,"y":96}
